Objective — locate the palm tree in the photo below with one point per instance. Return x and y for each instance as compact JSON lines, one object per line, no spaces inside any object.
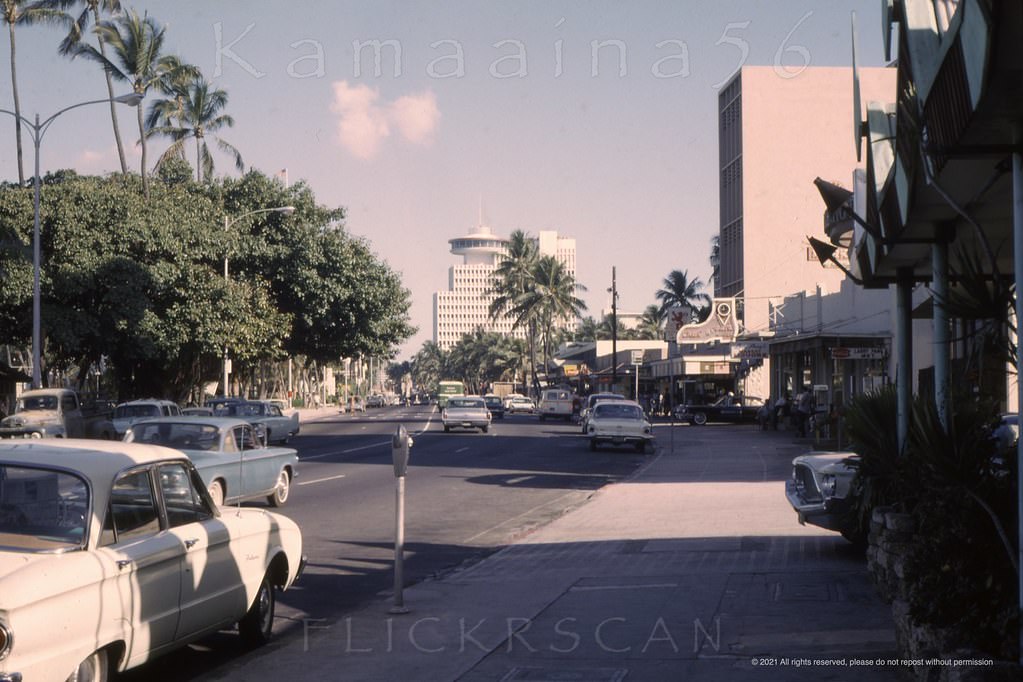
{"x":587,"y":330}
{"x":194,"y":112}
{"x":512,"y":278}
{"x":679,"y":290}
{"x":136,"y":44}
{"x":650,"y":323}
{"x":549,"y":300}
{"x":91,"y":10}
{"x":715,"y":260}
{"x":23,"y":13}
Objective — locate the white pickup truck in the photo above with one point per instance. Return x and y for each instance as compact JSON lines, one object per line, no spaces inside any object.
{"x":55,"y":413}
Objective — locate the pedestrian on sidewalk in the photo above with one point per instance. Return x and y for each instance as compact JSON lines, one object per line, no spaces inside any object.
{"x":804,"y":407}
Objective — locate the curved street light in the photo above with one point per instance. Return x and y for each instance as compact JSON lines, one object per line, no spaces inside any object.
{"x":228,"y":222}
{"x":38,"y":129}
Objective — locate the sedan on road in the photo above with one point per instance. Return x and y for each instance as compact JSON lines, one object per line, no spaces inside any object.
{"x":619,"y":422}
{"x":521,"y":404}
{"x":463,"y":412}
{"x":113,"y":553}
{"x":729,"y":408}
{"x":229,"y":455}
{"x":495,"y":405}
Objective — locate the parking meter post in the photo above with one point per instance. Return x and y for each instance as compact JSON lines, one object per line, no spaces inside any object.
{"x":399,"y":454}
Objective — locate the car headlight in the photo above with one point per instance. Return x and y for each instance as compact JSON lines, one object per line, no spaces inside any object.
{"x":6,"y":640}
{"x":828,"y":485}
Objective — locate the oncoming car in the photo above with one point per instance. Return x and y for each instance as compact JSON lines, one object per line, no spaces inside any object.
{"x":619,"y":422}
{"x":113,"y":526}
{"x":466,"y":413}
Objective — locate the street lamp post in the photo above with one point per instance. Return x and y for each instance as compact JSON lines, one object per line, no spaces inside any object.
{"x":228,"y":222}
{"x":38,"y":129}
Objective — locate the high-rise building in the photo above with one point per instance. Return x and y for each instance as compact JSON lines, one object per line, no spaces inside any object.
{"x":465,"y":306}
{"x":776,"y":133}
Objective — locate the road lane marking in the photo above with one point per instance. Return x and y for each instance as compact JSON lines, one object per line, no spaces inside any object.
{"x":322,"y":480}
{"x":461,"y":449}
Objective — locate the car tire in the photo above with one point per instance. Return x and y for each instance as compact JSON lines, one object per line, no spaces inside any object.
{"x":593,"y":445}
{"x":279,"y":497}
{"x":641,"y":447}
{"x":447,"y":429}
{"x":256,"y":626}
{"x":216,"y":491}
{"x":92,"y":669}
{"x":699,"y":418}
{"x":484,"y":429}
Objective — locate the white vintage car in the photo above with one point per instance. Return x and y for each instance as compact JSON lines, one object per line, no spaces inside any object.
{"x":821,"y":490}
{"x":113,"y":553}
{"x":619,"y":422}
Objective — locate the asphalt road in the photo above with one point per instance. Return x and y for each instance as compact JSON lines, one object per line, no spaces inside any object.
{"x":467,"y":495}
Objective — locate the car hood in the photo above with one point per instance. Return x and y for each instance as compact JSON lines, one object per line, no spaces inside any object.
{"x":827,"y":462}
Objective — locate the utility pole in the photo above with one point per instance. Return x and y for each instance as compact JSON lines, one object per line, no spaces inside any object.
{"x":614,"y":327}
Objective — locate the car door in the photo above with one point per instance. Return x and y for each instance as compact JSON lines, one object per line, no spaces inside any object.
{"x":211,"y":588}
{"x":148,"y":562}
{"x":256,"y":466}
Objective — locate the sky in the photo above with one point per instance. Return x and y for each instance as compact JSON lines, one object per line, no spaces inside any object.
{"x":476,"y":102}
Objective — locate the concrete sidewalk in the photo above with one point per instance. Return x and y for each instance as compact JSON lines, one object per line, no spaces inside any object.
{"x":694,"y":569}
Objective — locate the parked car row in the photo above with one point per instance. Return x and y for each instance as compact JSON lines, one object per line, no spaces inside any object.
{"x":118,"y":524}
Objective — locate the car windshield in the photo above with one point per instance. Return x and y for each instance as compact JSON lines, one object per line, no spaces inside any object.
{"x":38,"y":402}
{"x":180,"y":435}
{"x":492,"y":401}
{"x":136,"y":411}
{"x":466,"y":402}
{"x":42,"y":510}
{"x":613,"y":411}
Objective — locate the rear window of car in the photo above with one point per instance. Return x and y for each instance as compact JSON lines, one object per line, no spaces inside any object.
{"x":493,"y":400}
{"x":614,"y":411}
{"x":182,"y":435}
{"x":466,"y":402}
{"x":42,"y":510}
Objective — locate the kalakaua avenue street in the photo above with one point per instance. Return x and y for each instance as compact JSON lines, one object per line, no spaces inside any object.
{"x":683,"y":563}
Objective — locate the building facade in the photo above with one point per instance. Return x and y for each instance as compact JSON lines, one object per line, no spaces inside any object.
{"x":767,"y":200}
{"x":465,"y":306}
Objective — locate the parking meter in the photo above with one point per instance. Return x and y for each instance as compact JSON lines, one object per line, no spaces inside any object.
{"x":400,"y":444}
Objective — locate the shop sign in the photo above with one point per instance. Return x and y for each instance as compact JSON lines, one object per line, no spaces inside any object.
{"x":721,"y":326}
{"x":715,"y":368}
{"x":858,"y":353}
{"x":751,"y":350}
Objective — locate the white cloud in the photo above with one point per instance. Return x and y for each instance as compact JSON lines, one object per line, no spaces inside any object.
{"x":416,"y":117}
{"x":364,"y":121}
{"x":361,"y":123}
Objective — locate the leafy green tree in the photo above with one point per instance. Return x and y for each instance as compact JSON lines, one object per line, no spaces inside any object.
{"x":679,"y":290}
{"x":195,"y":112}
{"x":22,"y":13}
{"x":91,"y":11}
{"x":150,"y":297}
{"x":136,"y":45}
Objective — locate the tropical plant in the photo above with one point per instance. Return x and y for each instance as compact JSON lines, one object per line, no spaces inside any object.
{"x":428,"y":366}
{"x":512,"y":279}
{"x":650,"y":324}
{"x":193,"y":112}
{"x":587,"y":329}
{"x":549,"y":300}
{"x":91,"y":11}
{"x":136,"y":45}
{"x":678,"y":290}
{"x":715,"y":261}
{"x":23,"y":13}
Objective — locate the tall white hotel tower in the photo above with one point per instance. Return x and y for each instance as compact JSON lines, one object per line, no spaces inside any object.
{"x":465,"y":306}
